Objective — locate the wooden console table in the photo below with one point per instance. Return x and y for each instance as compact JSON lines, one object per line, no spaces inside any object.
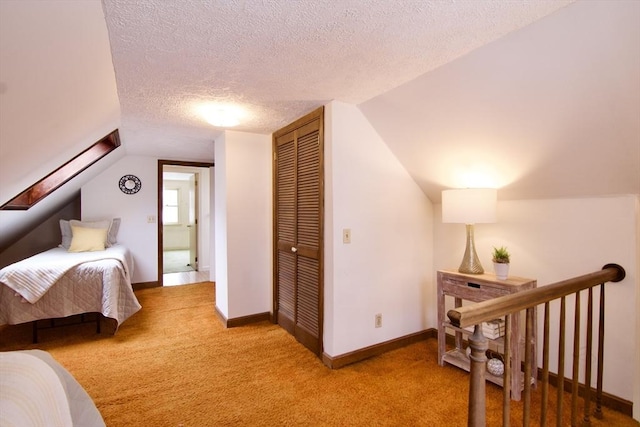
{"x":477,"y":288}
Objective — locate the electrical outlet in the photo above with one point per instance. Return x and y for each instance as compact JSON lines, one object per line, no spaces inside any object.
{"x":151,"y":219}
{"x":346,"y":235}
{"x":379,"y":320}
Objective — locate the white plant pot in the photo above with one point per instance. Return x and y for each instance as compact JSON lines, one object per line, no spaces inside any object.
{"x":501,"y":269}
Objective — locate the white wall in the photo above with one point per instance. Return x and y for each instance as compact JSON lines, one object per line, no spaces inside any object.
{"x":388,"y":264}
{"x":48,"y":106}
{"x":205,"y":220}
{"x":58,"y":96}
{"x":636,"y":392}
{"x":211,"y":224}
{"x":102,"y":198}
{"x":552,"y":240}
{"x":243,"y":224}
{"x":220,"y":235}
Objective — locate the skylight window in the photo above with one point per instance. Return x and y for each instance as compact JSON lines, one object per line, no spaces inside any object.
{"x":64,"y":173}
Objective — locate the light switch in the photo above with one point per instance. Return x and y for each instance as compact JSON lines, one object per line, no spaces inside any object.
{"x":151,"y":219}
{"x":346,"y":235}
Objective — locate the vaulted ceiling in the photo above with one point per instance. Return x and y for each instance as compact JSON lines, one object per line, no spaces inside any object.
{"x":280,"y":59}
{"x":525,"y":96}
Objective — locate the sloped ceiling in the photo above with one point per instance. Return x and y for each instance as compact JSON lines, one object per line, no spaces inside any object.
{"x":280,"y":59}
{"x":532,"y":97}
{"x":549,"y":111}
{"x":57,"y":97}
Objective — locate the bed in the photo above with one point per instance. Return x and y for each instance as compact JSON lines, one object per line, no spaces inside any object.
{"x":65,"y":281}
{"x":37,"y":390}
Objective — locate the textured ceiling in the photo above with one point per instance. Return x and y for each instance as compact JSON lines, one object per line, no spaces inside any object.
{"x":281,"y":59}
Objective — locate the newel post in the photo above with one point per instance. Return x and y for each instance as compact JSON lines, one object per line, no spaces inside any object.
{"x":477,"y":405}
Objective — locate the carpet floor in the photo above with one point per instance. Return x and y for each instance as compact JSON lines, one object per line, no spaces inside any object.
{"x":174,"y":364}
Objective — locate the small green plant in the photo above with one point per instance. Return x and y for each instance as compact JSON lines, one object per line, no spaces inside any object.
{"x":501,"y":255}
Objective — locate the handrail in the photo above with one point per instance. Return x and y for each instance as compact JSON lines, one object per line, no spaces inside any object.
{"x":484,"y":311}
{"x":527,"y":301}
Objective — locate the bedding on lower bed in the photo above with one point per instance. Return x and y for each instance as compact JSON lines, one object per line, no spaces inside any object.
{"x":37,"y":390}
{"x":56,"y":284}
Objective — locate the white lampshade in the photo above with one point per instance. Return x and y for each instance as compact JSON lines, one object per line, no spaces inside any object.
{"x":469,"y":205}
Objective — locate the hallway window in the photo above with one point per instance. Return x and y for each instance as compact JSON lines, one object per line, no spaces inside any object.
{"x":170,"y":212}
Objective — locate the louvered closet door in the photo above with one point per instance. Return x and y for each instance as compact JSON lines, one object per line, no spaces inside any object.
{"x":298,"y":229}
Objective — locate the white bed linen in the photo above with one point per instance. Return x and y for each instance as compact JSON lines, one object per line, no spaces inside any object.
{"x":32,"y":277}
{"x":36,"y":391}
{"x":102,"y":286}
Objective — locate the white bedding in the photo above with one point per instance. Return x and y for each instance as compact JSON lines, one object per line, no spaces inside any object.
{"x":36,"y":391}
{"x":101,"y":286}
{"x":32,"y":277}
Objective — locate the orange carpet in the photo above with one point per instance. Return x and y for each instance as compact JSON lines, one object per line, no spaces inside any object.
{"x":173,"y":364}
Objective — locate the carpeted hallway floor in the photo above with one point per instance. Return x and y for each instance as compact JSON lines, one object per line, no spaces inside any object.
{"x":173,"y":364}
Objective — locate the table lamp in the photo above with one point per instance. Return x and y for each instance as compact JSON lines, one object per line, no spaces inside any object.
{"x":469,"y":206}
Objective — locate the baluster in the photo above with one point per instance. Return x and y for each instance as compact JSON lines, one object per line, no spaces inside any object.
{"x":513,"y":303}
{"x":598,"y":413}
{"x":477,"y":405}
{"x":545,"y":367}
{"x":587,"y":363}
{"x":561,"y":342}
{"x":506,"y":378}
{"x":527,"y":365}
{"x":575,"y":383}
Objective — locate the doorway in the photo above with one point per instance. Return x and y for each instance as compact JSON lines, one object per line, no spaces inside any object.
{"x":183,"y":222}
{"x":179,"y":220}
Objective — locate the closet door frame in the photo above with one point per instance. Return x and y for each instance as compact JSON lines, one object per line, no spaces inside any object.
{"x":318,"y":114}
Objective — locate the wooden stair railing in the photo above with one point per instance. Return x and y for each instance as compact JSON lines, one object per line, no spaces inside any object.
{"x":484,"y":311}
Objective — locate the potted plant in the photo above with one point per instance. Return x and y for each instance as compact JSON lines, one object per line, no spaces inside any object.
{"x":501,"y":258}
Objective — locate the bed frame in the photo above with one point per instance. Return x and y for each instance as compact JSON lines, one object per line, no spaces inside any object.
{"x":52,"y":323}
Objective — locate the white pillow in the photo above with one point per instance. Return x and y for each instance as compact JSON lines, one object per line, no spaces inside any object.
{"x":88,"y":239}
{"x":112,"y":236}
{"x":104,"y":223}
{"x":112,"y":225}
{"x":65,"y":230}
